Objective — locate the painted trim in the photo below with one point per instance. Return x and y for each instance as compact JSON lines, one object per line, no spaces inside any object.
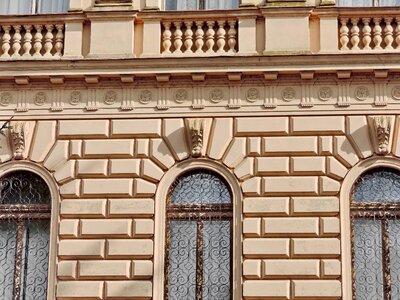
{"x":160,"y":216}
{"x":54,"y":221}
{"x":345,"y":225}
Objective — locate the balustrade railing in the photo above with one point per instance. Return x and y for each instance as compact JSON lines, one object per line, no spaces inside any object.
{"x":199,"y":37}
{"x":372,"y":33}
{"x":31,"y":41}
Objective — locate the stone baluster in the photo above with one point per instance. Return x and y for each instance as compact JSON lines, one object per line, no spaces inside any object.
{"x":344,"y":34}
{"x":355,"y":34}
{"x":188,"y":37}
{"x":167,"y":37}
{"x":16,"y":45}
{"x":377,"y":33}
{"x":178,"y":37}
{"x":37,"y":41}
{"x":388,"y":33}
{"x":48,"y":40}
{"x":397,"y":33}
{"x":59,"y":45}
{"x":6,"y":41}
{"x":199,"y":37}
{"x":221,"y":36}
{"x":366,"y":31}
{"x":27,"y":46}
{"x":210,"y":37}
{"x":232,"y":36}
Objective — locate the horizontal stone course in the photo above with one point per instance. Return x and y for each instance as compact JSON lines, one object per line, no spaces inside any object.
{"x":266,"y":206}
{"x":131,"y":207}
{"x":81,"y":249}
{"x":83,"y":207}
{"x":261,"y":126}
{"x":291,"y":268}
{"x":290,"y":185}
{"x":83,"y":129}
{"x":317,"y":289}
{"x":306,"y":145}
{"x":316,"y":247}
{"x":318,"y":125}
{"x":315,"y":205}
{"x":101,"y":269}
{"x":106,"y":228}
{"x":291,"y":226}
{"x":112,"y":187}
{"x":136,"y":128}
{"x":128,"y":289}
{"x":266,"y":247}
{"x":266,"y":289}
{"x":67,"y":290}
{"x":118,"y":248}
{"x":108,"y":148}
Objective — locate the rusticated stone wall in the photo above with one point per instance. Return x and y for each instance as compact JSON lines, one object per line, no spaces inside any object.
{"x":290,"y":170}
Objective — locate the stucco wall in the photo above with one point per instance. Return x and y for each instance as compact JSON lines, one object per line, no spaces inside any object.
{"x":290,"y":171}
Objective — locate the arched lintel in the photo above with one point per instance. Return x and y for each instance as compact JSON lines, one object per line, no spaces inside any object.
{"x":24,"y":165}
{"x":160,"y":214}
{"x":345,"y":225}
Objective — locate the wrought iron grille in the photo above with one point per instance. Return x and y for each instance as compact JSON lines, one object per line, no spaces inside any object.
{"x":24,"y":236}
{"x":198,"y":256}
{"x":375,"y":209}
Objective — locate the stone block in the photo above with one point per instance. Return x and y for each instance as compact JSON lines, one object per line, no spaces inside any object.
{"x":316,"y":247}
{"x":220,"y":137}
{"x":252,"y":227}
{"x":111,"y":187}
{"x":92,"y":167}
{"x":266,"y":247}
{"x":345,"y":152}
{"x":266,"y":289}
{"x":66,"y":269}
{"x":57,"y":156}
{"x":245,"y":169}
{"x":252,"y":268}
{"x":136,"y":128}
{"x":83,"y":129}
{"x":266,"y":206}
{"x":71,"y":189}
{"x":272,"y":165}
{"x":357,"y":130}
{"x":150,"y":171}
{"x":328,"y":186}
{"x":308,"y":165}
{"x":125,"y":167}
{"x":65,"y":172}
{"x":261,"y":126}
{"x":108,"y":148}
{"x":236,"y":152}
{"x":330,"y":226}
{"x":106,"y":228}
{"x":315,"y":205}
{"x":318,"y":125}
{"x":81,"y":249}
{"x":335,"y":168}
{"x":101,"y":269}
{"x":306,"y":145}
{"x":131,"y":207}
{"x":291,"y":268}
{"x":80,"y":290}
{"x":69,"y":228}
{"x":290,"y":185}
{"x":174,"y":133}
{"x":142,"y":147}
{"x":43,"y":140}
{"x":325,"y":145}
{"x":144,"y":188}
{"x":331,"y":268}
{"x":75,"y":148}
{"x":129,"y":248}
{"x":142,"y":269}
{"x":290,"y":226}
{"x":143,"y":227}
{"x":83,"y":208}
{"x":129,"y":289}
{"x":252,"y":186}
{"x":253,"y":146}
{"x":161,"y":154}
{"x":317,"y":289}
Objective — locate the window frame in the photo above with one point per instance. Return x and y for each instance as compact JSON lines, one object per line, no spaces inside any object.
{"x":13,"y":166}
{"x":350,"y":179}
{"x":160,"y":221}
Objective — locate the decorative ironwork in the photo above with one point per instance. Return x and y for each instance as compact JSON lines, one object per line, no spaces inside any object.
{"x":374,"y":209}
{"x":198,"y":233}
{"x":24,"y":236}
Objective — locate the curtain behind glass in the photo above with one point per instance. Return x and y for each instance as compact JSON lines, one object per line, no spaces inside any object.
{"x":222,"y":4}
{"x":356,"y":3}
{"x":194,"y":4}
{"x":9,"y":7}
{"x":52,"y":6}
{"x":389,"y":3}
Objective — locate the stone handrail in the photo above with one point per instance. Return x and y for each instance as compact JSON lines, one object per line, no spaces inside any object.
{"x":369,"y":30}
{"x":31,"y":37}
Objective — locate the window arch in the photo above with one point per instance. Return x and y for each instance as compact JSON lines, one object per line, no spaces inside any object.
{"x":25,"y":213}
{"x":198,"y":260}
{"x":374,"y":211}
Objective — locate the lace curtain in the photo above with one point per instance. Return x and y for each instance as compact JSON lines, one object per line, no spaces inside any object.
{"x":9,"y":7}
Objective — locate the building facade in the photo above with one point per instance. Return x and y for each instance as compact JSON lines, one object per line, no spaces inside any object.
{"x":238,"y":153}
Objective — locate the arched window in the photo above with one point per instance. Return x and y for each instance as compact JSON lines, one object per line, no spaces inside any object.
{"x":199,"y":238}
{"x":24,"y":236}
{"x":375,"y":210}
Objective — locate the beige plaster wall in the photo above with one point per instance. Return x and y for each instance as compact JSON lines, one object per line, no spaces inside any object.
{"x":290,"y":171}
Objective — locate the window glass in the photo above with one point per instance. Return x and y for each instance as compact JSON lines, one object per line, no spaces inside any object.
{"x":199,"y":238}
{"x":24,"y":236}
{"x":375,"y":210}
{"x":9,"y":7}
{"x":366,"y":3}
{"x":200,"y":4}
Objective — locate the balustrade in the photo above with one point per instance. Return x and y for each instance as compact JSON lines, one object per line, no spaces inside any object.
{"x":369,"y":33}
{"x":27,"y":41}
{"x":194,"y":37}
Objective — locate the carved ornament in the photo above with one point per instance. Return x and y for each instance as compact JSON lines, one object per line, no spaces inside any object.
{"x":197,"y":133}
{"x":381,"y":130}
{"x":18,"y":132}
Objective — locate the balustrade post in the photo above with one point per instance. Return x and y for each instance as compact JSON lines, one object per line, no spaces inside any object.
{"x":388,"y":33}
{"x":366,"y":31}
{"x":27,"y":46}
{"x":6,"y":41}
